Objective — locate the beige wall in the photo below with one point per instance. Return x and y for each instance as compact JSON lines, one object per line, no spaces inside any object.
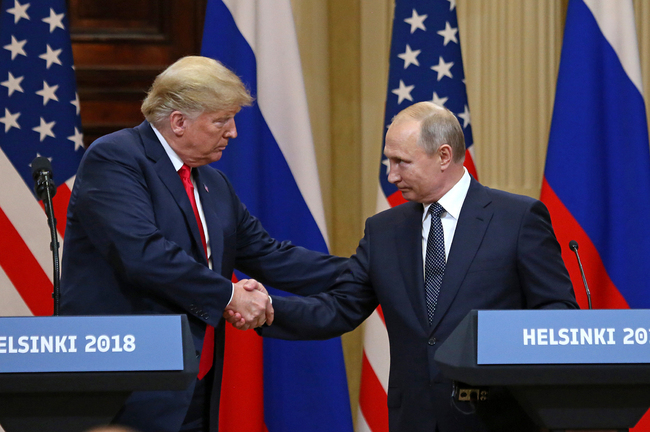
{"x":511,"y":51}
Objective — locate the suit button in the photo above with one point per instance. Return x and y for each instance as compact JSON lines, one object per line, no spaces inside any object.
{"x":432,"y":341}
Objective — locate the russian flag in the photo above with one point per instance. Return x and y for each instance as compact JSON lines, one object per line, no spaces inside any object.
{"x":296,"y":386}
{"x":597,"y":177}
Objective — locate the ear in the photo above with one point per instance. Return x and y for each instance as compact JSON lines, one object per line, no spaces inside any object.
{"x":178,"y":123}
{"x":446,"y":156}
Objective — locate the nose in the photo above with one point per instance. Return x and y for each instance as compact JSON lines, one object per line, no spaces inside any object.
{"x":393,"y":175}
{"x":231,"y":131}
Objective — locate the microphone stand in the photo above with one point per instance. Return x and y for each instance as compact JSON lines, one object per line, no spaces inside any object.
{"x":574,"y":247}
{"x":54,"y":242}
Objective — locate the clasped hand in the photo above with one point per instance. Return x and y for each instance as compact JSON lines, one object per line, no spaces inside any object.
{"x":250,"y":306}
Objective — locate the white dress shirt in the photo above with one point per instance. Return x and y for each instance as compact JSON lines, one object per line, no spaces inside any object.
{"x":452,"y":202}
{"x":178,"y":163}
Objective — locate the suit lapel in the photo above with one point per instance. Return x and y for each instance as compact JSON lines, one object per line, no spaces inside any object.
{"x":168,"y":175}
{"x":213,"y":225}
{"x":408,"y":243}
{"x":474,"y":219}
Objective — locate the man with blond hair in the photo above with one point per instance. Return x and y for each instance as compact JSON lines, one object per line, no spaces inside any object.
{"x":455,"y":246}
{"x":153,"y":230}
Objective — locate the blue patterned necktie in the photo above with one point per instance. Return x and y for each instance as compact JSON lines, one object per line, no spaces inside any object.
{"x":434,"y":268}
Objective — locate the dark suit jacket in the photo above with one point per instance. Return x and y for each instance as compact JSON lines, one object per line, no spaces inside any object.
{"x":504,"y":255}
{"x":132,"y":246}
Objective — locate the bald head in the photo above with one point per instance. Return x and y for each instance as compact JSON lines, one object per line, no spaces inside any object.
{"x":425,"y":149}
{"x":438,"y":126}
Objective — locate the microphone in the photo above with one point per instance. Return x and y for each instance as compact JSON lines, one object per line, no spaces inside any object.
{"x":45,"y":189}
{"x":574,"y":247}
{"x":42,"y":175}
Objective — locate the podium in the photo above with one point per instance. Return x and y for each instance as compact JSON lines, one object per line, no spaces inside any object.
{"x":72,"y":373}
{"x":568,"y":369}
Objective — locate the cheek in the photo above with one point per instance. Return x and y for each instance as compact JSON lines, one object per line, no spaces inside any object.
{"x":406,"y":173}
{"x":217,"y":134}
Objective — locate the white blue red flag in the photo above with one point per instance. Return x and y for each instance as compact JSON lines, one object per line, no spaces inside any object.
{"x":39,"y":116}
{"x":425,"y":65}
{"x":295,"y":386}
{"x":597,"y":177}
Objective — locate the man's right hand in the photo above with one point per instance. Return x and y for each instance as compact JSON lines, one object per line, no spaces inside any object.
{"x":250,"y":306}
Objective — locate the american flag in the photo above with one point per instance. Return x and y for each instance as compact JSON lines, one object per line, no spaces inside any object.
{"x":39,"y":116}
{"x":425,"y":65}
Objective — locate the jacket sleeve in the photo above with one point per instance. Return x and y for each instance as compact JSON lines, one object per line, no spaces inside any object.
{"x":281,"y":265}
{"x":544,"y":278}
{"x":332,"y":313}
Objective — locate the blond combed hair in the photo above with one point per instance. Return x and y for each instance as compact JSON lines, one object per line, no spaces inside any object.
{"x":193,"y":85}
{"x":438,"y":126}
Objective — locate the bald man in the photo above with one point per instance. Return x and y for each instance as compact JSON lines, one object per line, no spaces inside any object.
{"x":455,"y":246}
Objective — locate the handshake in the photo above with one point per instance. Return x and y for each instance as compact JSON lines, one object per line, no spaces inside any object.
{"x":250,"y":306}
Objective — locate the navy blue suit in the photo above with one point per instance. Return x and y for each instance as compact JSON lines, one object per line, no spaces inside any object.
{"x":132,"y":246}
{"x":504,"y":255}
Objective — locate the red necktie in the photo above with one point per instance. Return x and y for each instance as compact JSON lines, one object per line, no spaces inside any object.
{"x":207,"y":354}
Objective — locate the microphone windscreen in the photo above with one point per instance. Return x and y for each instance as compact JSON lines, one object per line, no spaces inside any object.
{"x":40,"y":164}
{"x":573,"y":245}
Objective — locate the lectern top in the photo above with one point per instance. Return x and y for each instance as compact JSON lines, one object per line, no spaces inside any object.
{"x":91,"y":343}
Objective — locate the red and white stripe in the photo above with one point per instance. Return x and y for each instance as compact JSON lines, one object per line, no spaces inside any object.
{"x":373,"y":412}
{"x":25,"y":257}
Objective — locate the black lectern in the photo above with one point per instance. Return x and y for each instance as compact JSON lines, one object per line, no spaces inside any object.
{"x":85,"y":382}
{"x":602,"y":393}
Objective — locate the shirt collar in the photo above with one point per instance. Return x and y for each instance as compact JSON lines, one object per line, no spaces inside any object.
{"x":176,"y":160}
{"x":453,"y":200}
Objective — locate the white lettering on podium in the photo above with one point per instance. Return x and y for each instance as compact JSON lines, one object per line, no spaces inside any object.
{"x":529,"y":336}
{"x":11,"y":348}
{"x":60,"y":344}
{"x":564,"y":334}
{"x":73,"y":348}
{"x":39,"y":344}
{"x":24,"y":346}
{"x":47,"y":343}
{"x":578,"y":336}
{"x":541,"y":336}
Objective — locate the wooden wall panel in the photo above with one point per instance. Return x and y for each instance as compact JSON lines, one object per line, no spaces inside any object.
{"x":119,"y":47}
{"x":121,"y":19}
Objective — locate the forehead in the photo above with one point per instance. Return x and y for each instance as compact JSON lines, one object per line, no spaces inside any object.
{"x":228,"y":112}
{"x":402,"y":137}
